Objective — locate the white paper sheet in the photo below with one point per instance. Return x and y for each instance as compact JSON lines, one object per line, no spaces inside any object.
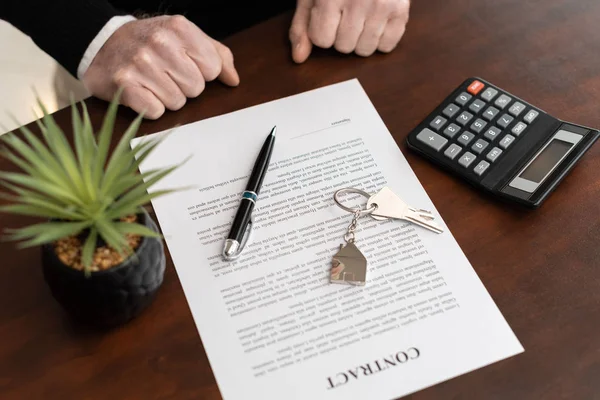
{"x":271,"y":324}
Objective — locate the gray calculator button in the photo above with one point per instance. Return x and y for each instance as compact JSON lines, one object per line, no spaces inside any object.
{"x":464,"y":118}
{"x":492,"y":133}
{"x":506,"y":141}
{"x":452,"y":151}
{"x":479,"y":146}
{"x":481,"y":167}
{"x":519,"y":128}
{"x":450,"y":110}
{"x":463,"y":98}
{"x":438,"y":122}
{"x":478,"y":125}
{"x":432,"y":139}
{"x":451,"y":130}
{"x":489,"y":94}
{"x":505,"y":120}
{"x":493,"y":154}
{"x":502,"y":101}
{"x":531,"y":116}
{"x":516,"y":109}
{"x":465,"y":138}
{"x":477,"y":106}
{"x":490,"y":113}
{"x":466,"y":159}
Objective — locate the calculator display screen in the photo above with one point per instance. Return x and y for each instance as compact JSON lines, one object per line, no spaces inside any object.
{"x":546,"y":160}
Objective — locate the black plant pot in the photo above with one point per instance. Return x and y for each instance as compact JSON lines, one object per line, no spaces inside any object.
{"x":111,"y":297}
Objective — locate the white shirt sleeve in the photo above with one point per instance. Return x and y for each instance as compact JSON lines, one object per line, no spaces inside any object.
{"x":106,"y":32}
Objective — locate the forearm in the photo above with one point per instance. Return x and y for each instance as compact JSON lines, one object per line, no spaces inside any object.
{"x":62,"y":28}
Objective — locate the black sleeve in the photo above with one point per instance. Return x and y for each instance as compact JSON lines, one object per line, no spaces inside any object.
{"x":62,"y":28}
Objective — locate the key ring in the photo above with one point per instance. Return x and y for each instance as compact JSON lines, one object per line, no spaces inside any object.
{"x":356,"y":211}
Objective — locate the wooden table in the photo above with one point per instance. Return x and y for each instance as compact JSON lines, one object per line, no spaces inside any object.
{"x":541,"y":267}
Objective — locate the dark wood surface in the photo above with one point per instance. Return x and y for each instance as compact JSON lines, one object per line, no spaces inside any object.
{"x":541,"y":267}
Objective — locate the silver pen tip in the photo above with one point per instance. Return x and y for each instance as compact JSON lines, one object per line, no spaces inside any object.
{"x":274,"y":130}
{"x":230,"y":250}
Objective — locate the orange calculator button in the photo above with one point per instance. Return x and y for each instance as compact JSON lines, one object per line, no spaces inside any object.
{"x":475,"y":87}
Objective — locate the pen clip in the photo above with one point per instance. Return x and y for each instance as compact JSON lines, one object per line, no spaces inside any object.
{"x":245,"y":239}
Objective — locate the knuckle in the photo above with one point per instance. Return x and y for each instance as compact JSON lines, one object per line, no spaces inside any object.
{"x":386,"y":48}
{"x":227,"y":53}
{"x":319,"y":39}
{"x":178,"y":23}
{"x":212,"y":71}
{"x":401,"y":8}
{"x":343,"y":48}
{"x":151,"y":110}
{"x":152,"y":113}
{"x":363,"y":52}
{"x":158,"y":38}
{"x":176,"y":101}
{"x":295,"y":31}
{"x":123,"y":77}
{"x":197,"y":88}
{"x":142,"y":57}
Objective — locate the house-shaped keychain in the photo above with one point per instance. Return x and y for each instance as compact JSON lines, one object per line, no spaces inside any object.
{"x":349,"y":266}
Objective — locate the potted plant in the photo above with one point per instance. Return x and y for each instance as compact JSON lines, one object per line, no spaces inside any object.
{"x":102,"y":254}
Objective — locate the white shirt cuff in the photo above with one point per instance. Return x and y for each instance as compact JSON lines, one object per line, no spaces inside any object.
{"x":106,"y":32}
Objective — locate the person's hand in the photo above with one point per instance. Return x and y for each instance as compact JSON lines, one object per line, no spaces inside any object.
{"x":159,"y":62}
{"x":359,"y":26}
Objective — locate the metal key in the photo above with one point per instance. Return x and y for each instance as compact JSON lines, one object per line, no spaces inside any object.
{"x":391,"y":206}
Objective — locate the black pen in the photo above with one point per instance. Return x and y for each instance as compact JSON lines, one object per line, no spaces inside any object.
{"x":242,"y":223}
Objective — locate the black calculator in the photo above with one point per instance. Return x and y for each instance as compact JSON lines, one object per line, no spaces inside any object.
{"x":500,"y":143}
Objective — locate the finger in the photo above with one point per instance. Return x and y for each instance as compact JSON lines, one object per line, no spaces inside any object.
{"x":176,"y":63}
{"x":161,"y":84}
{"x":351,"y":25}
{"x":394,"y":31}
{"x":187,"y":76}
{"x":324,"y":22}
{"x":301,"y":44}
{"x":229,"y":74}
{"x":199,"y":47}
{"x":141,"y":100}
{"x":371,"y":34}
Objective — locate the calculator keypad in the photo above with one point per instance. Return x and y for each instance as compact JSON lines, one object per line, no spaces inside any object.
{"x":481,"y":167}
{"x":466,"y":159}
{"x":492,"y":133}
{"x":477,"y":106}
{"x":507,"y":141}
{"x":465,"y":138}
{"x":531,"y":116}
{"x":432,"y":139}
{"x":452,"y":151}
{"x":505,"y":120}
{"x":494,"y":154}
{"x":502,"y":101}
{"x":464,"y":118}
{"x":489,"y":94}
{"x":451,"y":130}
{"x":479,"y":146}
{"x":478,"y":127}
{"x":490,"y":113}
{"x":516,"y":109}
{"x":438,"y":122}
{"x":450,"y":110}
{"x":463,"y":98}
{"x":518,"y":128}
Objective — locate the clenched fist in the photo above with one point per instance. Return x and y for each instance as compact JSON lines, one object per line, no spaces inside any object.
{"x":359,"y":26}
{"x":159,"y":62}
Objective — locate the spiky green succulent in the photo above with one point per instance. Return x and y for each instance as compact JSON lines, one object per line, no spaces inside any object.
{"x":82,"y":189}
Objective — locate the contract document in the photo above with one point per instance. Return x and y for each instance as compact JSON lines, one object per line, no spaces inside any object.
{"x":272,"y":324}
